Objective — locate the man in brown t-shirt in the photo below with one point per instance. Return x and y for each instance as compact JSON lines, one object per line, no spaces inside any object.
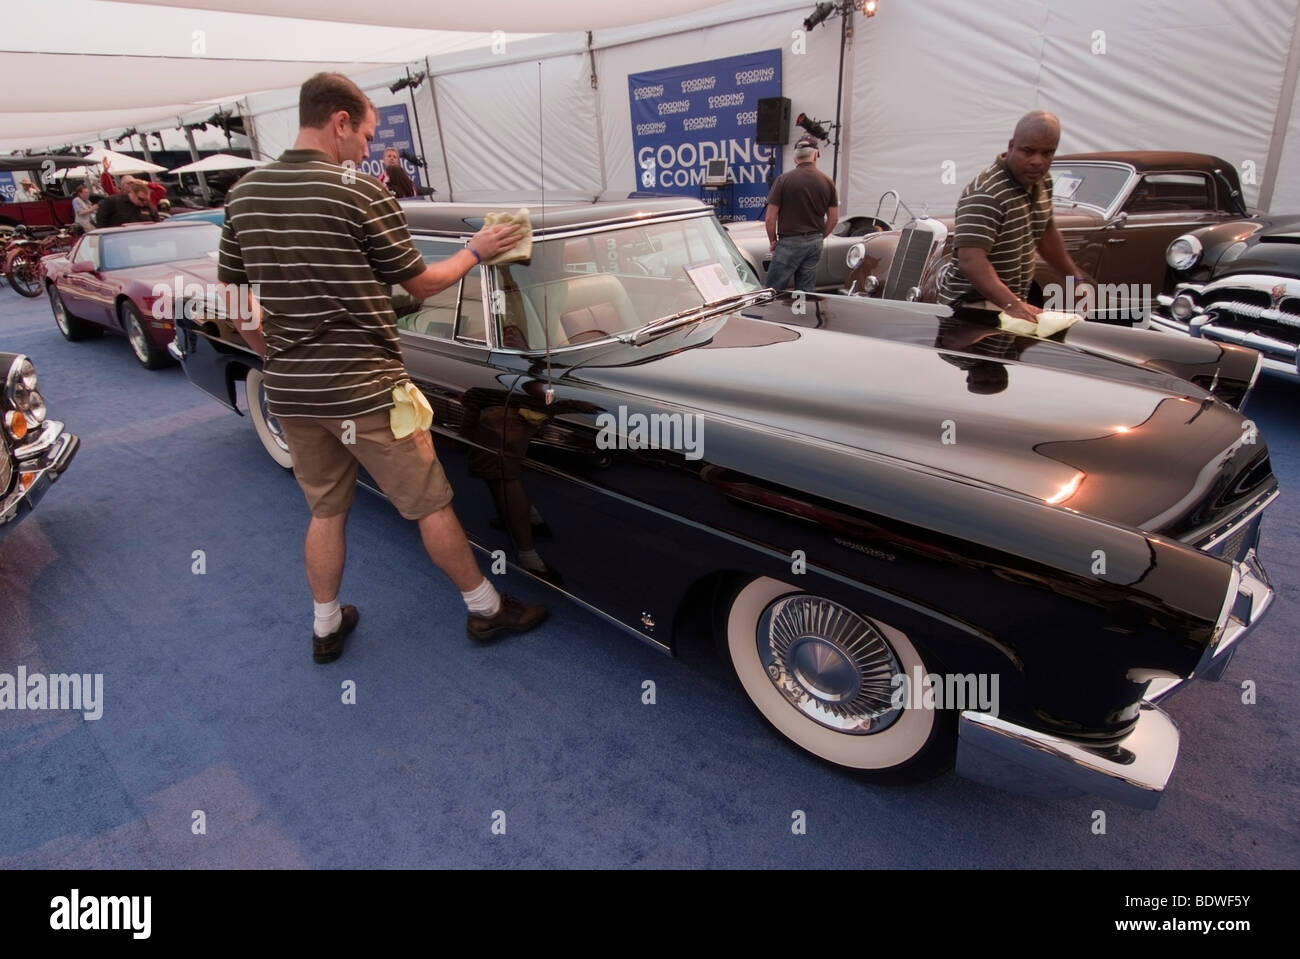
{"x":802,"y":209}
{"x":320,"y":242}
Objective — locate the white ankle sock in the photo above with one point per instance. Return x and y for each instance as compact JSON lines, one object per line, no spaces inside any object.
{"x":530,"y":561}
{"x":483,"y":600}
{"x":328,"y":617}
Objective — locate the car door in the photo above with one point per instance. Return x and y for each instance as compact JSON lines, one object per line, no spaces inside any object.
{"x":77,"y":288}
{"x":102,"y":285}
{"x":446,"y":350}
{"x":1160,"y":207}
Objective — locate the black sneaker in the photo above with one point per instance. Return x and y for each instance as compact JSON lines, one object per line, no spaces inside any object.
{"x":326,"y":649}
{"x":513,"y":617}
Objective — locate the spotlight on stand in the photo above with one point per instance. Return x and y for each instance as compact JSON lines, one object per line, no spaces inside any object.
{"x":812,"y":126}
{"x":401,"y":83}
{"x":820,"y":13}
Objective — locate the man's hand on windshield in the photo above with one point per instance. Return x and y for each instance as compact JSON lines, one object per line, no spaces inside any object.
{"x":494,"y":240}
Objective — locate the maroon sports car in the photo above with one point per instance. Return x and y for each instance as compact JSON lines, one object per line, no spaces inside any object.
{"x":129,"y":280}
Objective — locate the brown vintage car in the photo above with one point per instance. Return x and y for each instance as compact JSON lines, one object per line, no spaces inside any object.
{"x":1117,"y":211}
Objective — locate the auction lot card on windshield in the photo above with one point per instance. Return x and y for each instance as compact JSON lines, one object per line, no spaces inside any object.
{"x":712,"y":282}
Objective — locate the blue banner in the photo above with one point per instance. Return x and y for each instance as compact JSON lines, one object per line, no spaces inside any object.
{"x":684,"y":116}
{"x":393,"y":129}
{"x":9,"y":185}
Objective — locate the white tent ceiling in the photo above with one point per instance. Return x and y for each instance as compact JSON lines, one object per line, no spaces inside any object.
{"x":90,"y":68}
{"x":513,"y":16}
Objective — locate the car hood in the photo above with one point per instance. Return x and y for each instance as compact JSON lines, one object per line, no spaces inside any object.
{"x":202,"y":270}
{"x":1132,"y":446}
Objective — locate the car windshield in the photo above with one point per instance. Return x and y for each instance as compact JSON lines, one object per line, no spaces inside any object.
{"x":145,"y":246}
{"x":580,"y":288}
{"x":1087,"y":184}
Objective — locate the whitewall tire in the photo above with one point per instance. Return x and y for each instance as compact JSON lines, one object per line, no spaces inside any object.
{"x":264,"y":424}
{"x":823,"y":676}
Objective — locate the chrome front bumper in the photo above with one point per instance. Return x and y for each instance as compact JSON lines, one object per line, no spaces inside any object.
{"x":37,"y":465}
{"x":1279,"y":358}
{"x":1133,"y":771}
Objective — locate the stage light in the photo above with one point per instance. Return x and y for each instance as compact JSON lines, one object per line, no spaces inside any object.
{"x":869,"y":8}
{"x":812,"y":126}
{"x":820,"y":13}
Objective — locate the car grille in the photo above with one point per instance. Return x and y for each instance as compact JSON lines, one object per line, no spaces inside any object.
{"x":910,"y":257}
{"x":1251,"y":311}
{"x":6,"y":466}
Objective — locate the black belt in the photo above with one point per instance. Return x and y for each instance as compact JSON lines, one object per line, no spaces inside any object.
{"x":799,"y":236}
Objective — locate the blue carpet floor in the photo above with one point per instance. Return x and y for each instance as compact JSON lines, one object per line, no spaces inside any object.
{"x":213,"y":706}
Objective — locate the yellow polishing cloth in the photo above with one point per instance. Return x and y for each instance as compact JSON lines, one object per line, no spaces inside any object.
{"x":411,"y":411}
{"x":1049,"y":323}
{"x":523,"y":249}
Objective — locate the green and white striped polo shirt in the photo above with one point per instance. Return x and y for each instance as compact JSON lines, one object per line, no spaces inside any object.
{"x":322,"y":243}
{"x":999,"y":216}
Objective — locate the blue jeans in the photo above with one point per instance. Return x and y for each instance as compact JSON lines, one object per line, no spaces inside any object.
{"x":794,"y":263}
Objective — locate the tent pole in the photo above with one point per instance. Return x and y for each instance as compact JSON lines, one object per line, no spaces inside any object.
{"x":1284,"y":101}
{"x":194,"y":158}
{"x":437,"y":119}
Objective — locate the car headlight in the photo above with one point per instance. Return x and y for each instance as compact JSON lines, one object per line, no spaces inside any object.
{"x":855,"y":256}
{"x":21,"y":393}
{"x":1182,"y":307}
{"x":1184,"y":253}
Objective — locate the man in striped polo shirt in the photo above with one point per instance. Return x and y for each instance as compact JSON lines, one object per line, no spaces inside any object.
{"x":321,"y":243}
{"x":1003,"y":217}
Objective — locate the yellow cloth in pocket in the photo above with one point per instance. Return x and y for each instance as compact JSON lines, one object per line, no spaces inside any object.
{"x":411,"y":411}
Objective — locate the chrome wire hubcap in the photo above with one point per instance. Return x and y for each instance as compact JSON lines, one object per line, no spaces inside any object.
{"x":136,"y":334}
{"x":271,"y":422}
{"x":829,"y":663}
{"x":60,"y":315}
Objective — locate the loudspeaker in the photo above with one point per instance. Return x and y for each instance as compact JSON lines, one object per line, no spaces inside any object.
{"x":774,"y":120}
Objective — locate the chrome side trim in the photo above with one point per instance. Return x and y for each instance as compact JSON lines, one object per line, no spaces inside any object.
{"x":1135,"y":771}
{"x":1239,"y":521}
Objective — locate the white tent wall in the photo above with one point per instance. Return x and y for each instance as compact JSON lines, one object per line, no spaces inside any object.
{"x":945,"y":80}
{"x":932,"y":90}
{"x":521,"y":127}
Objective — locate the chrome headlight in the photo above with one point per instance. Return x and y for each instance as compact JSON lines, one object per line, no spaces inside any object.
{"x":855,"y":255}
{"x":1184,"y":253}
{"x":21,"y":393}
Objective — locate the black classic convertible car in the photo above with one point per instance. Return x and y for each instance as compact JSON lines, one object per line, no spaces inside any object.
{"x":912,"y":536}
{"x":34,"y":450}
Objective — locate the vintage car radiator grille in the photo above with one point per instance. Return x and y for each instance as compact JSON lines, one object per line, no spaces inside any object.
{"x":909,"y":262}
{"x":1251,"y":311}
{"x":6,"y":466}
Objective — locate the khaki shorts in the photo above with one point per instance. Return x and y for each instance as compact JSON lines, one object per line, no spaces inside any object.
{"x":407,"y":470}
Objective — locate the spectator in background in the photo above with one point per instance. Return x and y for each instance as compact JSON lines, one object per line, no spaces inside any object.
{"x":129,"y":206}
{"x":802,"y":210}
{"x":395,"y":177}
{"x":157,"y":193}
{"x":106,"y":182}
{"x":84,"y":208}
{"x":27,"y":192}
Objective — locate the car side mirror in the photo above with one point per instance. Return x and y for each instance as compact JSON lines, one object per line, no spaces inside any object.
{"x":83,"y":266}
